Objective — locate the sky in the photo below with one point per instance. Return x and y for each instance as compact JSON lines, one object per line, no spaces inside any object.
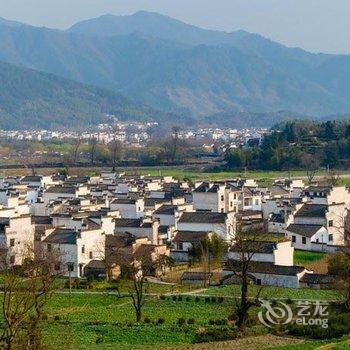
{"x":314,"y":25}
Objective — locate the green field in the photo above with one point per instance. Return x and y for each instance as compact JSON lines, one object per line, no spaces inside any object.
{"x":233,"y":291}
{"x":264,"y":178}
{"x":100,"y":322}
{"x":303,"y":258}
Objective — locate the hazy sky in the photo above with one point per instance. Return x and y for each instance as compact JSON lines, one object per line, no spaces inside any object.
{"x":315,"y":25}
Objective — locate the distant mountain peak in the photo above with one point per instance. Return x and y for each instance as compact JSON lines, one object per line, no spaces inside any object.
{"x":10,"y":23}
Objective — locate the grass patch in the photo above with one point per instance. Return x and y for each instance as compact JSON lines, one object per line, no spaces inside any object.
{"x":275,"y":293}
{"x":303,"y":258}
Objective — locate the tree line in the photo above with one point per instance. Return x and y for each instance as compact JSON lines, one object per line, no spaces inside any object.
{"x":297,"y":145}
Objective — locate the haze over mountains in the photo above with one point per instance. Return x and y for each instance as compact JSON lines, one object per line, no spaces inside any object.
{"x":176,"y":67}
{"x":29,"y":98}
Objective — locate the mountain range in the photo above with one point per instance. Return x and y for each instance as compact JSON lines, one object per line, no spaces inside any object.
{"x":181,"y":69}
{"x":29,"y":98}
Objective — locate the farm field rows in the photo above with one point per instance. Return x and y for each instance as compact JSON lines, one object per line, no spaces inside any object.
{"x":98,"y":321}
{"x":233,"y":291}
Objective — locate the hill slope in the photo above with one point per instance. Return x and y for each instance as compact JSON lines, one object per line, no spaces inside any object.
{"x":184,"y":69}
{"x":30,"y":99}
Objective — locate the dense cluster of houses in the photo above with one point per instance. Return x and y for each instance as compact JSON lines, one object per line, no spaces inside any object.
{"x":94,"y":220}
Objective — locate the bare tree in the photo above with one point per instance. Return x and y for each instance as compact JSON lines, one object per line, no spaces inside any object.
{"x":92,"y":144}
{"x":114,"y":148}
{"x":171,"y":145}
{"x":332,"y":178}
{"x":246,"y":247}
{"x":25,"y":296}
{"x":339,"y":262}
{"x":208,"y":250}
{"x":311,"y":164}
{"x":77,"y":145}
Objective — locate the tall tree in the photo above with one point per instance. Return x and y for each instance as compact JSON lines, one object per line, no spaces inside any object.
{"x":92,"y":144}
{"x":246,"y":247}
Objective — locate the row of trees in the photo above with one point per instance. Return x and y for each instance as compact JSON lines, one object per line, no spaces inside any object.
{"x":297,"y":145}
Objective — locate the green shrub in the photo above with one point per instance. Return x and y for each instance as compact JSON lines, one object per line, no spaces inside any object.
{"x":147,"y":320}
{"x":162,"y":297}
{"x":220,"y":322}
{"x":188,"y":299}
{"x":338,"y":325}
{"x":174,"y":297}
{"x":191,"y":321}
{"x":179,"y":298}
{"x":197,"y":299}
{"x":207,"y":299}
{"x":99,"y":340}
{"x":220,"y":300}
{"x":213,"y":335}
{"x":161,"y":320}
{"x":213,"y":299}
{"x":181,"y":321}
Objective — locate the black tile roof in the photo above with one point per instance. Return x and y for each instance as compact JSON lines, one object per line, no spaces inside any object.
{"x":61,"y":189}
{"x":266,"y":268}
{"x":203,"y":217}
{"x":190,"y":236}
{"x":31,"y":179}
{"x":166,"y":209}
{"x":62,"y":236}
{"x":255,"y":247}
{"x":42,"y":220}
{"x":304,"y":230}
{"x":312,"y":210}
{"x":123,"y":222}
{"x":315,"y":278}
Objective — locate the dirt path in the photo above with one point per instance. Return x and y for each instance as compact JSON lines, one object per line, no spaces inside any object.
{"x":251,"y":343}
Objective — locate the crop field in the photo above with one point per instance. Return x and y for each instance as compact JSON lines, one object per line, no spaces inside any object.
{"x":90,"y":321}
{"x":101,"y":321}
{"x":233,"y":291}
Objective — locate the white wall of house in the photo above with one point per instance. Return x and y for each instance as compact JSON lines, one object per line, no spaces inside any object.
{"x":18,"y":238}
{"x":320,"y":237}
{"x":130,"y":210}
{"x":284,"y":254}
{"x":279,"y":280}
{"x":209,"y":201}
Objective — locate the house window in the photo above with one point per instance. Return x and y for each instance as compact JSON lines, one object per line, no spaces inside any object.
{"x":83,"y":249}
{"x":231,"y":204}
{"x":70,"y":267}
{"x":12,"y":259}
{"x":222,"y":210}
{"x":258,"y":282}
{"x":294,"y":239}
{"x":80,"y":270}
{"x":49,"y":248}
{"x":235,"y":209}
{"x":330,"y":223}
{"x":90,"y":255}
{"x":222,"y":198}
{"x":235,"y":196}
{"x":303,"y":240}
{"x":180,"y":246}
{"x":257,"y":202}
{"x":12,"y":242}
{"x":139,"y":209}
{"x":330,"y":238}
